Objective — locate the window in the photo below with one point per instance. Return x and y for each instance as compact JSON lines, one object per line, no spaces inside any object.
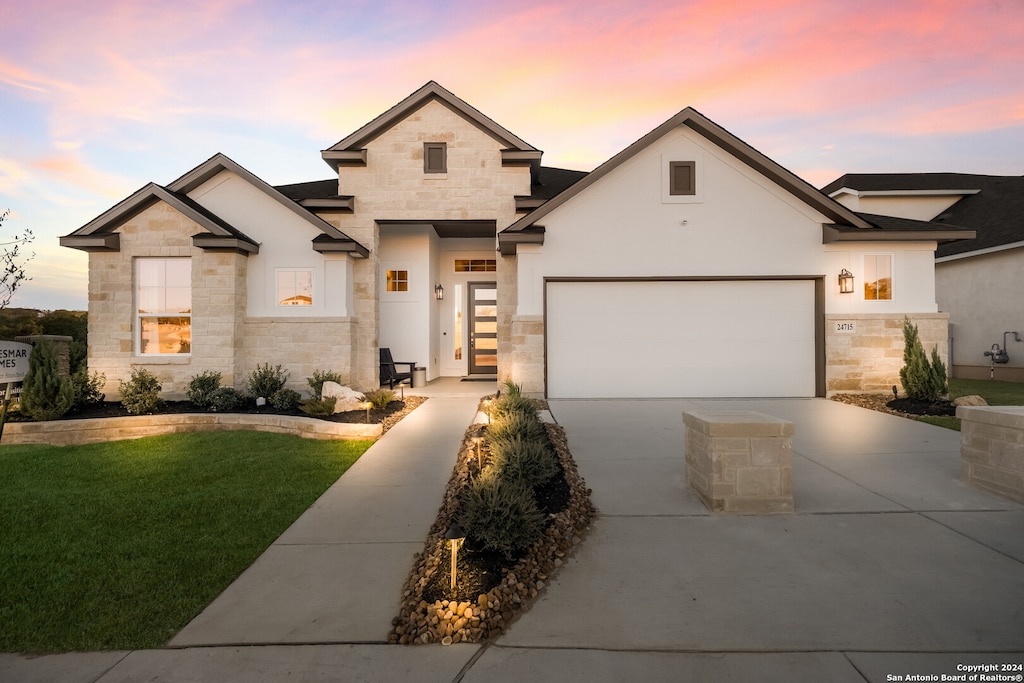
{"x":435,"y":157}
{"x":398,"y":281}
{"x":682,"y":178}
{"x":878,"y":277}
{"x":163,"y":295}
{"x":476,"y":265}
{"x":295,"y":287}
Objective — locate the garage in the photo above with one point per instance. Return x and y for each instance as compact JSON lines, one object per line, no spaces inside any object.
{"x":681,"y":338}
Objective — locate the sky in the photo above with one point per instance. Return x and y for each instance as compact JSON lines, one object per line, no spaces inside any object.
{"x":100,"y":97}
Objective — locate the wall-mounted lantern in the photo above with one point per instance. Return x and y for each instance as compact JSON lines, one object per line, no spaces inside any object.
{"x":439,"y":292}
{"x":845,"y":282}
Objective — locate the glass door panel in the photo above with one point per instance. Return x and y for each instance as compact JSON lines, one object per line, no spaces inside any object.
{"x":483,"y":328}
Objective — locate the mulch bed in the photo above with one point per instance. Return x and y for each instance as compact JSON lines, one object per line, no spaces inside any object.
{"x":388,"y":417}
{"x":903,"y":407}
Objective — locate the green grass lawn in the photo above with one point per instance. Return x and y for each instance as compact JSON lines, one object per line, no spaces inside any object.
{"x":997,"y":393}
{"x":119,"y":545}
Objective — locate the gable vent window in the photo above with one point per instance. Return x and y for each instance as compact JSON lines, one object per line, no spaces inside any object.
{"x":682,"y":178}
{"x":435,"y":157}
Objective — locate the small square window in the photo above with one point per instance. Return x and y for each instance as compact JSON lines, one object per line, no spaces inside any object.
{"x":435,"y":157}
{"x":682,"y":178}
{"x":878,"y":277}
{"x":295,"y":287}
{"x":398,"y":281}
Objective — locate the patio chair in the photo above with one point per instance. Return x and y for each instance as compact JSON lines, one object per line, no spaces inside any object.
{"x":389,"y":373}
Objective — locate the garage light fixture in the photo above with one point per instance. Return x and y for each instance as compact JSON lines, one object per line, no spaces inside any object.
{"x":845,"y":282}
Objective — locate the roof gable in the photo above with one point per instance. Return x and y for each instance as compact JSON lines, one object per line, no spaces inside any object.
{"x":353,"y":147}
{"x":518,"y":232}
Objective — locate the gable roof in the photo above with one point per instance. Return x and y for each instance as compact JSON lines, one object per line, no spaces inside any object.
{"x":896,"y":229}
{"x":175,"y":194}
{"x":991,"y":206}
{"x":353,"y":148}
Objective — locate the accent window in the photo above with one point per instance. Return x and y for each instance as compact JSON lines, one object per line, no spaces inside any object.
{"x":476,"y":265}
{"x":682,"y":177}
{"x":163,"y":295}
{"x":435,"y":157}
{"x":398,"y":281}
{"x":295,"y":287}
{"x":878,"y":277}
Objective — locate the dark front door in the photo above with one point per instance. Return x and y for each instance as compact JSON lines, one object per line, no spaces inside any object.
{"x":483,"y":328}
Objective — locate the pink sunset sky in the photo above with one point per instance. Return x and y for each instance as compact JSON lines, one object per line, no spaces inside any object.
{"x":98,"y":98}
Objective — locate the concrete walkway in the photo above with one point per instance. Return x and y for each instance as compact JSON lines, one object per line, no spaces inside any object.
{"x":890,"y":565}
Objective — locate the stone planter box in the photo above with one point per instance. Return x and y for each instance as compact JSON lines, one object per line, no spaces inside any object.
{"x":96,"y":430}
{"x":992,"y":449}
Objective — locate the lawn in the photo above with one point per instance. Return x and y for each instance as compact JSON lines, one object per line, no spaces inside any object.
{"x":119,"y":545}
{"x":997,"y":393}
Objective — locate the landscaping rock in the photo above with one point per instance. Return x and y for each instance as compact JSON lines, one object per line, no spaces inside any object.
{"x":972,"y":400}
{"x":345,"y":399}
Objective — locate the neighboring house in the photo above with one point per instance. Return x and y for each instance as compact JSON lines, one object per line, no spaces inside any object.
{"x":689,"y":264}
{"x":977,"y":281}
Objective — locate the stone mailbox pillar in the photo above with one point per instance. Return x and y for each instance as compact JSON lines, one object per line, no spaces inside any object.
{"x":740,"y":461}
{"x":62,"y":343}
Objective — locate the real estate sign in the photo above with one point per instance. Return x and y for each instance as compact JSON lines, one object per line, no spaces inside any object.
{"x":14,"y":361}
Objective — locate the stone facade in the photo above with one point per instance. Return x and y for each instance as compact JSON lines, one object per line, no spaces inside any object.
{"x":740,"y":461}
{"x":527,"y":365}
{"x":864,"y":352}
{"x":992,"y":449}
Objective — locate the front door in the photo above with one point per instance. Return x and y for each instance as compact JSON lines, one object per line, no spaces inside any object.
{"x":483,"y":328}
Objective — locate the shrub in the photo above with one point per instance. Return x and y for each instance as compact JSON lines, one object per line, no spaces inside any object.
{"x":201,"y":387}
{"x":265,"y":381}
{"x":501,"y":515}
{"x":511,"y":388}
{"x":318,"y":407}
{"x":528,"y":461}
{"x":285,"y":399}
{"x":512,"y":404}
{"x":45,"y":393}
{"x":922,"y":380}
{"x":316,"y":382}
{"x":511,"y":425}
{"x":226,"y":399}
{"x":87,"y":387}
{"x":380,"y":398}
{"x":140,"y":394}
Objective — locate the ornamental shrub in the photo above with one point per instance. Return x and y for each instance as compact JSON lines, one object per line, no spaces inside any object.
{"x":316,"y":382}
{"x":140,"y":394}
{"x":285,"y":399}
{"x":318,"y":407}
{"x":922,"y":380}
{"x":380,"y":398}
{"x":501,"y":515}
{"x":226,"y":399}
{"x":512,"y":404}
{"x":265,"y":380}
{"x":531,"y":462}
{"x":88,"y":388}
{"x":45,"y":393}
{"x":515,"y":424}
{"x":201,"y":387}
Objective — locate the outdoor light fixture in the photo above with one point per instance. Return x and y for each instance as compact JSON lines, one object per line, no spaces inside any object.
{"x":845,"y":282}
{"x":367,"y":405}
{"x":479,"y":463}
{"x":455,"y":535}
{"x":439,"y":292}
{"x":487,"y":410}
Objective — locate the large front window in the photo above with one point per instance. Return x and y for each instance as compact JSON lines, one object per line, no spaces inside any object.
{"x":163,"y":294}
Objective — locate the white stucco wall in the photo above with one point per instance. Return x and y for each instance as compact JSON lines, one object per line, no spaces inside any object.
{"x":285,"y":241}
{"x":982,"y":295}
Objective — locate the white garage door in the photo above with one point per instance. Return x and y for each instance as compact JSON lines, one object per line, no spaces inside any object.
{"x":648,"y":339}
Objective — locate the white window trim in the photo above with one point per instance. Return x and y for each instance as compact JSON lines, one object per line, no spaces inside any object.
{"x":139,"y":317}
{"x":312,"y":293}
{"x":892,"y":276}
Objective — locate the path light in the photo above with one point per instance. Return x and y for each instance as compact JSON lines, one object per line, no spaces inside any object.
{"x":478,"y":440}
{"x":367,"y":405}
{"x":455,"y":535}
{"x":487,"y":410}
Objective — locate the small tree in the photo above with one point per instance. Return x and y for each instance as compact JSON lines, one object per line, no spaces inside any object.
{"x":12,"y":263}
{"x":922,"y":380}
{"x":45,"y":394}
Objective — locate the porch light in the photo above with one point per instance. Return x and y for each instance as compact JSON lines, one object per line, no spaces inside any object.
{"x":845,"y":282}
{"x":455,"y":536}
{"x":439,"y":292}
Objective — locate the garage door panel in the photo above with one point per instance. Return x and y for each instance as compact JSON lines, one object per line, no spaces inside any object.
{"x":680,"y":338}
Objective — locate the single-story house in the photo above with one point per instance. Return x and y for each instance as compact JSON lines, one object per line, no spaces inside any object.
{"x":688,"y":264}
{"x":977,"y":281}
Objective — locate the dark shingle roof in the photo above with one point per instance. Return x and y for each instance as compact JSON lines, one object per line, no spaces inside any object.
{"x":552,"y":181}
{"x":316,"y":189}
{"x":995,"y":211}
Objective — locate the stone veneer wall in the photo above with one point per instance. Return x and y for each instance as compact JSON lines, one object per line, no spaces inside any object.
{"x":528,"y":353}
{"x":992,"y":449}
{"x":869,"y":359}
{"x":302,"y":345}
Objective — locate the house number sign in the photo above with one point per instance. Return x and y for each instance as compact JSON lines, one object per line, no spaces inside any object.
{"x":845,"y":326}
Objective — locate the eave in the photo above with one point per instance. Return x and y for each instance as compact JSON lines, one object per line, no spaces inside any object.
{"x":508,"y":242}
{"x":834,"y":233}
{"x":332,"y":205}
{"x":110,"y":241}
{"x":330,"y":245}
{"x":208,"y":242}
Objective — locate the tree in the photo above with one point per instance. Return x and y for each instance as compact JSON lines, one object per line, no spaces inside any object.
{"x":46,"y":394}
{"x":922,"y":380}
{"x":12,"y":263}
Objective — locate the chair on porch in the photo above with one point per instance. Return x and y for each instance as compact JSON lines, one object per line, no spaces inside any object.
{"x":389,"y":373}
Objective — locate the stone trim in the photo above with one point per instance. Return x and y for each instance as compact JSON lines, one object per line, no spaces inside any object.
{"x":992,"y":449}
{"x":99,"y":430}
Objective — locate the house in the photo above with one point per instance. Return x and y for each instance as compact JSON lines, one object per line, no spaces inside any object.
{"x":689,"y":264}
{"x":977,"y":281}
